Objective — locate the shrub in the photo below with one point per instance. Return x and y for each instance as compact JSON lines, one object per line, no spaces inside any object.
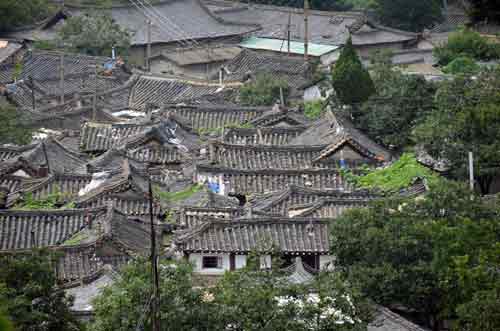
{"x":314,"y":109}
{"x":264,"y":91}
{"x":466,"y":43}
{"x":461,"y":65}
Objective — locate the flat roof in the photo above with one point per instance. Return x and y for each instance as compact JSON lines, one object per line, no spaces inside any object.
{"x":281,"y":45}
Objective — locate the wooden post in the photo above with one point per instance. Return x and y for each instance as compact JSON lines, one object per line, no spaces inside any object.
{"x":94,"y":100}
{"x":306,"y":31}
{"x":61,"y":73}
{"x":155,"y":321}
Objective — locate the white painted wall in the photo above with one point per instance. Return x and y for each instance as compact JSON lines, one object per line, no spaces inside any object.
{"x":240,"y":261}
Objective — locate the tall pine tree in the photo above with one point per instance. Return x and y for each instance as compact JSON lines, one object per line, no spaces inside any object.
{"x":351,"y":81}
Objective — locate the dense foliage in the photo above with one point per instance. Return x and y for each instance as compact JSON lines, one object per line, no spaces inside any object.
{"x":437,"y":256}
{"x":399,"y":175}
{"x":15,"y":13}
{"x":94,"y":33}
{"x":248,"y":299}
{"x":314,"y":109}
{"x":263,"y":91}
{"x":467,"y":118}
{"x":14,"y":128}
{"x":28,"y":284}
{"x":466,"y":43}
{"x":399,"y":104}
{"x":351,"y":81}
{"x":409,"y":15}
{"x":462,"y":65}
{"x":51,"y":201}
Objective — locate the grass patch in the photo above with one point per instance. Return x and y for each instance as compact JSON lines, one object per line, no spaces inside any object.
{"x":395,"y":177}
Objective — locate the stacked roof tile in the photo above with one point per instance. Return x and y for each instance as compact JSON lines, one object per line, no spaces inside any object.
{"x":276,"y":136}
{"x":289,"y":237}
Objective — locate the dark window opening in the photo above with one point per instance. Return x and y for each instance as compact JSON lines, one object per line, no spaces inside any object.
{"x":212,"y":262}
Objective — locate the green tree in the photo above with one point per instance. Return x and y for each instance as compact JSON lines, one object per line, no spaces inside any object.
{"x":399,"y":104}
{"x":431,"y":255}
{"x":466,"y":43}
{"x":94,"y":33}
{"x":467,"y":118}
{"x":409,"y":15}
{"x":263,"y":91}
{"x":125,"y":304}
{"x":14,"y":128}
{"x":351,"y":81}
{"x":15,"y":13}
{"x":315,"y":4}
{"x":28,"y":284}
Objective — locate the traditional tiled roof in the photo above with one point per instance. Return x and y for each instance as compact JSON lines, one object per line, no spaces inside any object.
{"x":9,"y":152}
{"x":216,"y":117}
{"x":174,"y":139}
{"x":21,"y":230}
{"x":335,"y":132}
{"x":269,"y":180}
{"x":327,"y":208}
{"x":45,"y":66}
{"x":280,"y":117}
{"x":291,"y":70}
{"x":185,"y":57}
{"x":276,"y":136}
{"x":68,"y":184}
{"x":191,"y":217}
{"x":158,"y":91}
{"x":288,"y":236}
{"x":49,"y":154}
{"x":265,"y":157}
{"x":387,"y":320}
{"x":68,"y":119}
{"x":325,"y":27}
{"x":55,"y":156}
{"x":191,"y":18}
{"x":305,"y":198}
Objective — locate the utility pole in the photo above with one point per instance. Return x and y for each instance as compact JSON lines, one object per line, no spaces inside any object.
{"x":33,"y":100}
{"x":306,"y":31}
{"x":61,"y":73}
{"x":148,"y":49}
{"x":288,"y":32}
{"x":94,"y":99}
{"x":155,"y":321}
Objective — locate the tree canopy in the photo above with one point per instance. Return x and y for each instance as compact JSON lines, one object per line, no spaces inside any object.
{"x":351,"y":81}
{"x":433,"y":255}
{"x":14,"y":128}
{"x":400,"y":103}
{"x":28,"y":284}
{"x":467,"y":118}
{"x":409,"y":15}
{"x":247,"y":299}
{"x":94,"y":33}
{"x":15,"y":13}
